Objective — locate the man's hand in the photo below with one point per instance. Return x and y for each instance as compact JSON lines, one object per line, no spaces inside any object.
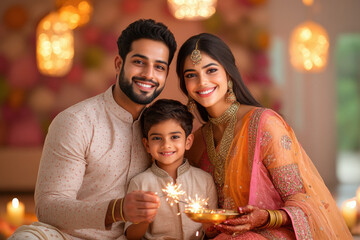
{"x":140,"y":206}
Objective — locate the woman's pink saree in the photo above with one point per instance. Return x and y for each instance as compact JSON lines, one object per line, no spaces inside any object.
{"x":267,"y":167}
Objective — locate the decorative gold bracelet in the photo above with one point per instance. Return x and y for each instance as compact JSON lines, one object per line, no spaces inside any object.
{"x":113,"y":210}
{"x":121,"y":210}
{"x":275,"y":219}
{"x":278,"y":218}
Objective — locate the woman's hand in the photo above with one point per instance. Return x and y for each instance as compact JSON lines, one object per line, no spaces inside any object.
{"x":251,"y":217}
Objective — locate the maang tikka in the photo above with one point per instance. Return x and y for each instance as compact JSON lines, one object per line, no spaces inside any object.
{"x":195,"y":54}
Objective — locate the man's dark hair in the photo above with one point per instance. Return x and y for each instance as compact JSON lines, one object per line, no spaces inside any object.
{"x":163,"y":110}
{"x":149,"y":29}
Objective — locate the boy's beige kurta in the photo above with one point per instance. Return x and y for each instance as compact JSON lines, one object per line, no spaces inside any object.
{"x":91,"y":152}
{"x":170,"y":221}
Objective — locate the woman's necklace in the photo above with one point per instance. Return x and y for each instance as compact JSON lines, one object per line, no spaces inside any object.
{"x":218,"y":158}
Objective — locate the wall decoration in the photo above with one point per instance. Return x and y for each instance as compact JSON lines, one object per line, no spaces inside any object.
{"x":192,"y":9}
{"x":55,"y":46}
{"x":309,"y":45}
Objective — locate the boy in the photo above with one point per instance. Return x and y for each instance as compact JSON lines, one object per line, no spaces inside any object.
{"x":166,"y":127}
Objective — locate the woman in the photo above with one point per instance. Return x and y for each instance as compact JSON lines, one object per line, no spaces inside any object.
{"x":258,"y":165}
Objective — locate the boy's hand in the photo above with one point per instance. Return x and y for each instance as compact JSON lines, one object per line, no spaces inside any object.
{"x":140,"y":206}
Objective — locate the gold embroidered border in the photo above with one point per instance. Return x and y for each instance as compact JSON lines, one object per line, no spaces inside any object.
{"x":287,"y":180}
{"x":253,"y":128}
{"x":300,"y":223}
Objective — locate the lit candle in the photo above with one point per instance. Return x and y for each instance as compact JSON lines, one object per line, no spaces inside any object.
{"x":15,"y":212}
{"x":349,"y":212}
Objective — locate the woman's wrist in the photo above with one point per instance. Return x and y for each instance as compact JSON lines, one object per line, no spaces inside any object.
{"x":275,"y":219}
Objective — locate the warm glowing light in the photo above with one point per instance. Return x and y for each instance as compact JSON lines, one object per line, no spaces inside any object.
{"x":173,"y":193}
{"x":308,"y":2}
{"x":54,"y":46}
{"x":75,"y":12}
{"x":15,"y":203}
{"x":192,"y":9}
{"x":349,"y":212}
{"x":309,"y":45}
{"x":15,"y":211}
{"x":196,"y":205}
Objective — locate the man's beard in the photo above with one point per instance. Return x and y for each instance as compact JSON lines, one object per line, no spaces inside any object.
{"x":127,"y":87}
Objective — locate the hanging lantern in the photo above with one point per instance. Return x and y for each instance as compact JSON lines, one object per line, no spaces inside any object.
{"x":308,"y":2}
{"x":309,"y":45}
{"x":192,"y":9}
{"x":54,"y":46}
{"x":75,"y":12}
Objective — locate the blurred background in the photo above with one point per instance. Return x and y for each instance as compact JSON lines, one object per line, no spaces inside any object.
{"x":298,"y":57}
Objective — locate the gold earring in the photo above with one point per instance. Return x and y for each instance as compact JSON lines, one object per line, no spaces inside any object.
{"x":195,"y":54}
{"x":230,"y":96}
{"x":191,"y":105}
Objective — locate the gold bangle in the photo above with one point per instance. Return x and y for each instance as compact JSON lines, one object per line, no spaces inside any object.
{"x":121,"y":210}
{"x":273,"y":219}
{"x":113,"y":210}
{"x":279,"y":219}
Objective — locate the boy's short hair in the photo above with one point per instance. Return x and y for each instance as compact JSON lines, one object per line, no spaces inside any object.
{"x":163,"y":110}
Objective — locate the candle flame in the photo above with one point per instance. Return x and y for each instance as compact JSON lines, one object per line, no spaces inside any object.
{"x":15,"y":202}
{"x":173,"y":193}
{"x":351,"y":204}
{"x":196,"y":205}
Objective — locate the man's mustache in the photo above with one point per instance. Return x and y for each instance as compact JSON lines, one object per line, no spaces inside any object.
{"x":146,"y":80}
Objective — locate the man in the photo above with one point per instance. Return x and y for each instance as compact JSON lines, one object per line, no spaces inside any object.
{"x":94,"y":148}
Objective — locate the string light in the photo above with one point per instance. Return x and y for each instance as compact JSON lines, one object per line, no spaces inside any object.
{"x":308,"y":2}
{"x":75,"y":12}
{"x":192,"y":9}
{"x":54,"y":46}
{"x":309,"y":44}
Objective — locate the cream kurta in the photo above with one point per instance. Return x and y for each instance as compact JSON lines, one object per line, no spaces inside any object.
{"x":167,"y":223}
{"x":91,"y":152}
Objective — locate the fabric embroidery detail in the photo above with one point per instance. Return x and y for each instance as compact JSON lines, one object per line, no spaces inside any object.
{"x":300,"y":223}
{"x":269,"y":234}
{"x":265,"y":138}
{"x":269,"y":159}
{"x":287,"y":180}
{"x":286,"y":142}
{"x":253,"y":127}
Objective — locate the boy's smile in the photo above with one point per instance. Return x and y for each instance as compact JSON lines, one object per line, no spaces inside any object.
{"x":167,"y":143}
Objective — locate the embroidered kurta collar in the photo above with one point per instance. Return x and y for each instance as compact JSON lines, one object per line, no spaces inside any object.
{"x":115,"y":108}
{"x":162,"y":173}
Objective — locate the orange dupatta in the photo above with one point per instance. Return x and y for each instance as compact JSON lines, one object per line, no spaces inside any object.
{"x":282,"y":177}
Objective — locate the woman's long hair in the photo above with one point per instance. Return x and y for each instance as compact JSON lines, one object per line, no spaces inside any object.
{"x":218,"y":50}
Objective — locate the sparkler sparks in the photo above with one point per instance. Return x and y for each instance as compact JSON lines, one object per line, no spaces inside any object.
{"x":196,"y":205}
{"x":173,"y":193}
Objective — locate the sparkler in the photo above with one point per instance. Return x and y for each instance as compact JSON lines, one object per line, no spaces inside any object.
{"x":173,"y":193}
{"x":196,"y":205}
